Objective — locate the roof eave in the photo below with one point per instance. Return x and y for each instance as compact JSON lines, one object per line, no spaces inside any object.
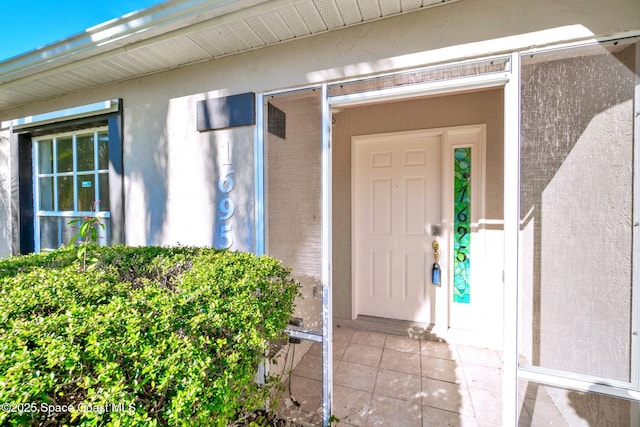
{"x":118,"y":33}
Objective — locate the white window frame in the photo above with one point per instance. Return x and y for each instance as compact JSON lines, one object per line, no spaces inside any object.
{"x":95,"y":172}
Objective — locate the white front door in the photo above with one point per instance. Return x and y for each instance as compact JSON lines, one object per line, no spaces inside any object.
{"x":407,"y":193}
{"x":396,"y":183}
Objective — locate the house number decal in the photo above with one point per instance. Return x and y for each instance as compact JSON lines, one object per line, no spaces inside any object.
{"x":226,"y":206}
{"x":461,"y":225}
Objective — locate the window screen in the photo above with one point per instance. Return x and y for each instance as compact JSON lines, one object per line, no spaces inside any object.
{"x":576,"y":196}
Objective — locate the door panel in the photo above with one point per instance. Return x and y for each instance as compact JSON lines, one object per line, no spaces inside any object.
{"x":397,"y":193}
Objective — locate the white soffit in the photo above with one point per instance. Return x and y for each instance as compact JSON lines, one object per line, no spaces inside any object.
{"x":177,"y":33}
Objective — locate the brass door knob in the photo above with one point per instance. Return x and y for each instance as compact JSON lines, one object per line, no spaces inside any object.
{"x":436,"y":246}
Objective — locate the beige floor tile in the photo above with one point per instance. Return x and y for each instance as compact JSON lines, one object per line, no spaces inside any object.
{"x":481,"y":423}
{"x":483,"y":377}
{"x":401,"y":361}
{"x":543,"y":411}
{"x":442,"y":369}
{"x":441,"y":350}
{"x":338,"y":349}
{"x":434,"y":417}
{"x":355,"y":375}
{"x":487,"y":406}
{"x":310,"y":367}
{"x":363,"y":354}
{"x":398,"y":385}
{"x":404,"y":344}
{"x":315,"y":349}
{"x":479,"y":356}
{"x":390,"y":380}
{"x":351,"y":406}
{"x":298,"y":415}
{"x":370,"y":338}
{"x":526,"y":390}
{"x":445,"y":395}
{"x":389,"y":412}
{"x":524,"y":419}
{"x":341,"y":333}
{"x":307,"y":392}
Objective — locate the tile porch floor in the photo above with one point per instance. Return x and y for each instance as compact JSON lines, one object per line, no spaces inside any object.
{"x":384,"y":379}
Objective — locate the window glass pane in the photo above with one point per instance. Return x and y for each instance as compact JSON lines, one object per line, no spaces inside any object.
{"x":86,"y":192}
{"x":104,"y":192}
{"x":49,"y":233}
{"x":46,"y":193}
{"x":65,"y":193}
{"x":576,"y":195}
{"x":104,"y":236}
{"x":84,"y":146}
{"x":103,"y":150}
{"x":45,"y":156}
{"x":65,"y":154}
{"x":69,"y":231}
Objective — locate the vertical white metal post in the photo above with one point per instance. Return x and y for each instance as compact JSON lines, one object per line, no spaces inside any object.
{"x":635,"y":304}
{"x":258,"y":164}
{"x":327,"y":307}
{"x":35,"y":155}
{"x":511,"y":232}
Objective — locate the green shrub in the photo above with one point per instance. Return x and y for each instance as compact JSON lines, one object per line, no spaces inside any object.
{"x":151,"y":336}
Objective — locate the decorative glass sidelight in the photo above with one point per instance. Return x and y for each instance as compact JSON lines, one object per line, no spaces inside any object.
{"x":461,"y":225}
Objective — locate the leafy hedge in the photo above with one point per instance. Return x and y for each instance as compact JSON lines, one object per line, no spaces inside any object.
{"x":151,"y":336}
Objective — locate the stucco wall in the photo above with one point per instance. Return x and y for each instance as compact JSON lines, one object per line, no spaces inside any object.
{"x":442,"y":111}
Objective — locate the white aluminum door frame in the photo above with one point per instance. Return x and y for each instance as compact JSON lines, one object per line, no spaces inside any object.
{"x":511,"y":209}
{"x":492,"y":80}
{"x":260,"y":246}
{"x":509,"y":80}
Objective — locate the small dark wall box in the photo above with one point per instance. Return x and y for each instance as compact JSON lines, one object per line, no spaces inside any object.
{"x":226,"y":112}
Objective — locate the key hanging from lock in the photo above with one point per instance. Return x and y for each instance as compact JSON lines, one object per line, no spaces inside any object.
{"x":435,"y":269}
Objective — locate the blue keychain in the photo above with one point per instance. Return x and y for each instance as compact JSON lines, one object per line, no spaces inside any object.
{"x":435,"y":273}
{"x":435,"y":269}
